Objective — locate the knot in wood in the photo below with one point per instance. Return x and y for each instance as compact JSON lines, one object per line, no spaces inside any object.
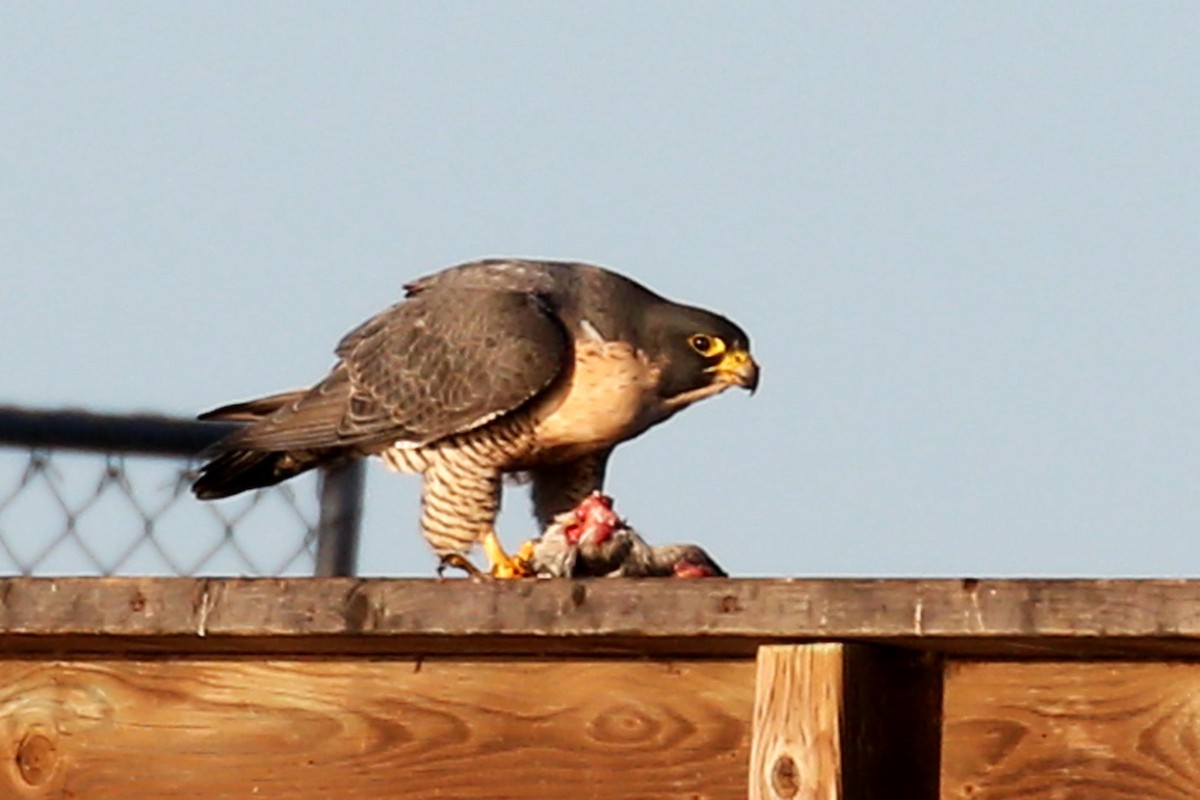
{"x":36,"y":756}
{"x":625,"y":725}
{"x":137,"y":603}
{"x":785,"y":778}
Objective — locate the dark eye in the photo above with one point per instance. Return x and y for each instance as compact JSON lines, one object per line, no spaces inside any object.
{"x":706,"y":345}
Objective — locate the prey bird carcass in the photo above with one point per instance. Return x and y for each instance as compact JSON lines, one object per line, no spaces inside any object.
{"x":591,"y":541}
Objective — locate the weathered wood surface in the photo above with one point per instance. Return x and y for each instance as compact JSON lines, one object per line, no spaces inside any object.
{"x":1080,"y":731}
{"x":181,"y":688}
{"x":1025,"y":619}
{"x":361,"y":728}
{"x":845,"y":722}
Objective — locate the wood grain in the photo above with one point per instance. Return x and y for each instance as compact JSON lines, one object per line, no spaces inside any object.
{"x":795,"y":751}
{"x":1025,"y":619}
{"x":373,"y":729}
{"x":845,"y":722}
{"x":1072,"y":731}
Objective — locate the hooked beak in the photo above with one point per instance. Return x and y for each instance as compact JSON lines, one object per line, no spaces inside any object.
{"x":738,"y":368}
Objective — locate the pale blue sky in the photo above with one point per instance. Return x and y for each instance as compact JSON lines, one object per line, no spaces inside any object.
{"x":962,"y":236}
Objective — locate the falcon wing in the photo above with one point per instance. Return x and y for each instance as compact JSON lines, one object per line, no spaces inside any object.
{"x":440,"y":363}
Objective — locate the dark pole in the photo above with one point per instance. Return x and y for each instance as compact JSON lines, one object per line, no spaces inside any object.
{"x":341,"y":493}
{"x":143,"y":434}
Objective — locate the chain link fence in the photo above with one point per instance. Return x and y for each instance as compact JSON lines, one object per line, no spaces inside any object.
{"x":96,"y":494}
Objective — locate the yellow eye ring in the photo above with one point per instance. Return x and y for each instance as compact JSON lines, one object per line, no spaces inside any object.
{"x":707,"y":346}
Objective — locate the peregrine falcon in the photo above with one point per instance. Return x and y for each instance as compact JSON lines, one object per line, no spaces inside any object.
{"x":494,"y":367}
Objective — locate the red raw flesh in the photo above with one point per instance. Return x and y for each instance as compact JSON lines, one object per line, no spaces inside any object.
{"x":686,"y":569}
{"x":595,"y":520}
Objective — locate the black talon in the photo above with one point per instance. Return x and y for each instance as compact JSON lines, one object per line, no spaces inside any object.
{"x":459,"y":561}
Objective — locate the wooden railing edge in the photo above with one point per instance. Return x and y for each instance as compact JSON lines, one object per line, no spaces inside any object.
{"x":710,"y":617}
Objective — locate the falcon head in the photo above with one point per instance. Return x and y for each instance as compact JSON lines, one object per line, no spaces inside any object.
{"x":699,"y":353}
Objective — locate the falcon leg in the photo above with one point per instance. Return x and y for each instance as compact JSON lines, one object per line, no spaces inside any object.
{"x":562,"y":487}
{"x":458,"y":509}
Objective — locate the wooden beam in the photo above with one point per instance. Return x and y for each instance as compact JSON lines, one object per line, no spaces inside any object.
{"x":664,"y":618}
{"x":394,"y":729}
{"x":1043,"y":731}
{"x":845,"y":722}
{"x":795,"y":751}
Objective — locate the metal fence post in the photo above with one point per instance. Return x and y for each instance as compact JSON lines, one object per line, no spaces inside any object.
{"x":341,"y":494}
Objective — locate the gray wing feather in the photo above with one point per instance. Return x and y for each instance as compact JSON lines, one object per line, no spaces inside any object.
{"x":440,"y":363}
{"x":549,"y":278}
{"x":308,"y":419}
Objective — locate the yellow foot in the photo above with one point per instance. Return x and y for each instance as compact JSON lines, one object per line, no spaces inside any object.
{"x":503,"y":565}
{"x":520,"y":565}
{"x":514,"y":567}
{"x":525,"y":551}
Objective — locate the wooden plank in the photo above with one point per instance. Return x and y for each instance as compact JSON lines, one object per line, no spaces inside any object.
{"x":725,"y":618}
{"x":359,"y":729}
{"x":845,"y":722}
{"x":1099,"y":731}
{"x":795,"y":751}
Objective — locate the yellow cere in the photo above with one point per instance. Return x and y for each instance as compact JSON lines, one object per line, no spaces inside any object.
{"x":733,"y":361}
